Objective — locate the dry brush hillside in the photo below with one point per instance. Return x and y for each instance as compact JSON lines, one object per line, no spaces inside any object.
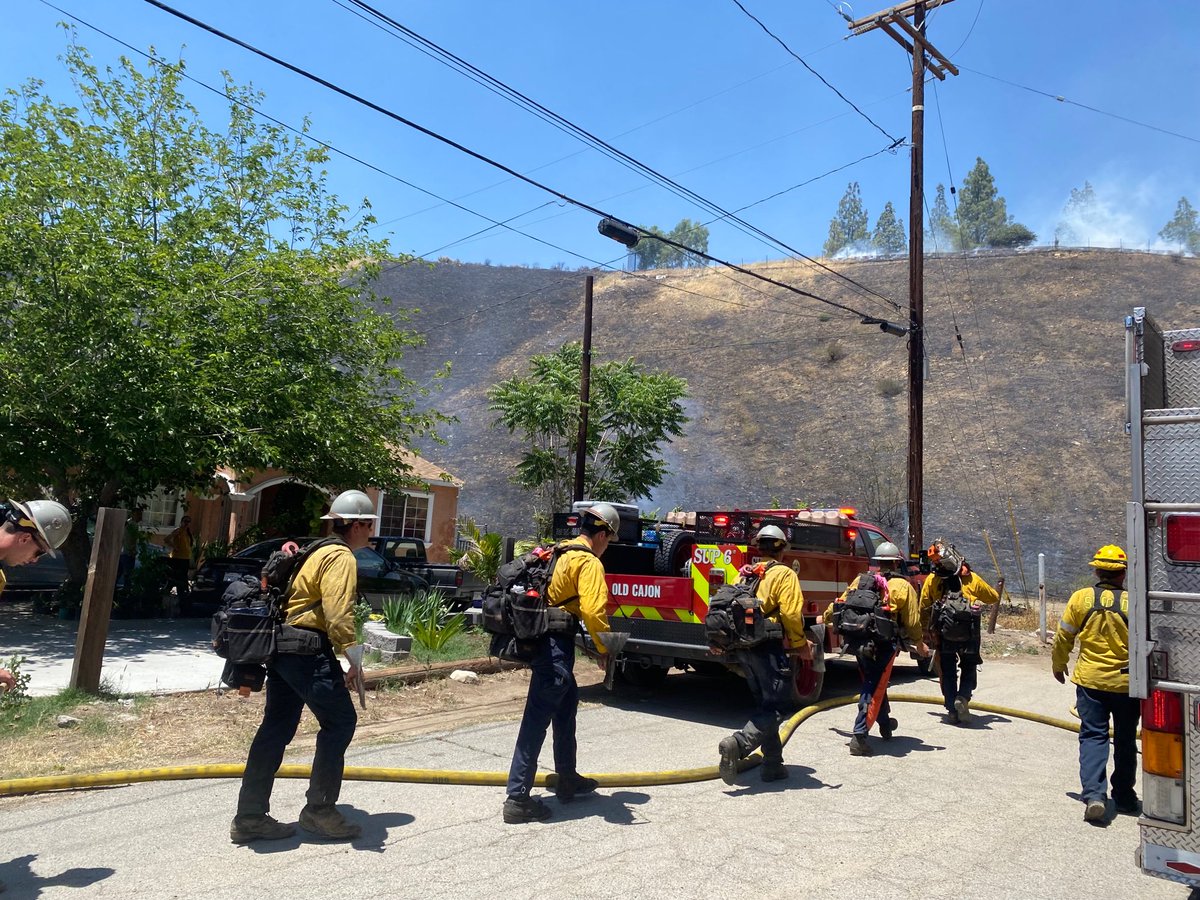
{"x":793,"y":401}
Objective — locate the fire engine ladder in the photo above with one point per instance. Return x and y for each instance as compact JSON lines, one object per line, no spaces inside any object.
{"x":1147,"y":420}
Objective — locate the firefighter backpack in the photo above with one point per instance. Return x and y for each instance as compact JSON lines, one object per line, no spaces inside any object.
{"x":955,"y":619}
{"x":734,"y":619}
{"x":246,"y":627}
{"x":865,"y":617}
{"x":517,"y":611}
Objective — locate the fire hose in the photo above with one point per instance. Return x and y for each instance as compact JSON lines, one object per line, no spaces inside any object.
{"x":83,"y":781}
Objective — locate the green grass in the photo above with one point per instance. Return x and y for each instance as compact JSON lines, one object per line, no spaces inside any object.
{"x":466,"y":645}
{"x":38,"y":711}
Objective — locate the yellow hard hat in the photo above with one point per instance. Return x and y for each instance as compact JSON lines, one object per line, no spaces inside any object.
{"x":1111,"y":557}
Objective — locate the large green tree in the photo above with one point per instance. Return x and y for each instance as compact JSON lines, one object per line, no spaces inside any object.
{"x":631,"y":413}
{"x":1184,"y":227}
{"x":1079,"y":209}
{"x":651,"y":253}
{"x":983,"y":219}
{"x":889,"y":232}
{"x":848,"y":227}
{"x":177,"y":298}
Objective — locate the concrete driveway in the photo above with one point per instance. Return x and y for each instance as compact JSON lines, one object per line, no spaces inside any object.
{"x":980,"y":812}
{"x":140,"y":655}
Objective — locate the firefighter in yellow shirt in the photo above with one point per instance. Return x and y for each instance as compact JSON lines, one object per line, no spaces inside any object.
{"x":578,"y":586}
{"x":179,"y":561}
{"x":319,"y":617}
{"x":766,"y":666}
{"x":1098,"y":617}
{"x":875,"y":656}
{"x":957,"y":638}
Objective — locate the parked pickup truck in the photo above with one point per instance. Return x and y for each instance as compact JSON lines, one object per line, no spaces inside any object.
{"x":409,"y":554}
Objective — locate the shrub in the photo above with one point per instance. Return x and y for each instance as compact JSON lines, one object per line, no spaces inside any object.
{"x":362,"y":612}
{"x":833,"y":351}
{"x":17,"y":695}
{"x":889,"y":387}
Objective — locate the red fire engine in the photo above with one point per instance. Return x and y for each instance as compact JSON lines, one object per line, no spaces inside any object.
{"x":661,"y":574}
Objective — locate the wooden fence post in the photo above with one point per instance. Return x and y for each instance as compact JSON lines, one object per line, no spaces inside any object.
{"x":97,"y":599}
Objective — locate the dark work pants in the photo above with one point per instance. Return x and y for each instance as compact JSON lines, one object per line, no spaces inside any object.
{"x":871,"y":667}
{"x":293,"y":682}
{"x":553,"y":698}
{"x":770,"y":678}
{"x":177,"y":577}
{"x":1095,"y":708}
{"x":954,"y":655}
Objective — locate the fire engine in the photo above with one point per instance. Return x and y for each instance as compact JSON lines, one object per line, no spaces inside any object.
{"x":1163,"y":522}
{"x":661,"y":573}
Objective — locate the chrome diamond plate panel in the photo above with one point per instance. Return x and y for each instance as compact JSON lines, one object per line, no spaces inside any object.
{"x":1171,"y":465}
{"x":1182,"y":369}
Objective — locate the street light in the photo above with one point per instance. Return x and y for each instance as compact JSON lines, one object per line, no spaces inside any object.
{"x":621,"y":232}
{"x":886,"y":326}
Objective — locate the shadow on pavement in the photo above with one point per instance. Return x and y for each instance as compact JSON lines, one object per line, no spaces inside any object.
{"x":21,"y":881}
{"x":613,"y":807}
{"x":800,"y":778}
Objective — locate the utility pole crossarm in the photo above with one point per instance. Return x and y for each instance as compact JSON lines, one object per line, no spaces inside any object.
{"x":865,"y":24}
{"x":919,"y":38}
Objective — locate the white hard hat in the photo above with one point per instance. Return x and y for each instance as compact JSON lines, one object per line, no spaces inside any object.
{"x":887,"y":551}
{"x":48,"y":517}
{"x":351,"y":505}
{"x":604,"y":515}
{"x":770,"y":533}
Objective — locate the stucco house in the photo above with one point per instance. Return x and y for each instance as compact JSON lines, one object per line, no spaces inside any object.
{"x":278,"y":504}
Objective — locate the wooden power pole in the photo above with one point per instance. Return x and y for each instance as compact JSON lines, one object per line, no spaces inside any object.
{"x":585,"y":391}
{"x":911,"y":36}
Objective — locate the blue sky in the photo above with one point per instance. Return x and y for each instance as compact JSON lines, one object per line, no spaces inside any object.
{"x":696,"y":90}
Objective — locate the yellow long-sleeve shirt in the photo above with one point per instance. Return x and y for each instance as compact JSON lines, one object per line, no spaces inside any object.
{"x":579,"y":581}
{"x":179,"y":542}
{"x":974,"y":590}
{"x":327,"y":582}
{"x":1103,"y":662}
{"x":780,"y":595}
{"x":906,"y":608}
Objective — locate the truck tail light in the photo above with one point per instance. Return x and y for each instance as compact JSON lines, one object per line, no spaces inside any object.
{"x":1163,"y":757}
{"x":458,"y":577}
{"x":1183,"y":537}
{"x":1186,"y":346}
{"x":716,"y":578}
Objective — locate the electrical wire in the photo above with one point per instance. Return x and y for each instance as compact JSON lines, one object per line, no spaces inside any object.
{"x":824,"y":81}
{"x":491,"y":162}
{"x":558,"y":121}
{"x":1062,"y":99}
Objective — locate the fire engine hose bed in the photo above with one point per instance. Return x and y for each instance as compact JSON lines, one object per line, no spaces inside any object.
{"x":18,"y":786}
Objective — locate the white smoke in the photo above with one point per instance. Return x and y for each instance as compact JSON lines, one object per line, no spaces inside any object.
{"x":1124,"y":215}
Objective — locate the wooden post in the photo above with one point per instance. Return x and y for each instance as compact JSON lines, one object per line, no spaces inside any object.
{"x":97,"y":600}
{"x":585,"y":395}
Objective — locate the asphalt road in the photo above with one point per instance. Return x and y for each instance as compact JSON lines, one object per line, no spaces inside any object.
{"x":980,"y":812}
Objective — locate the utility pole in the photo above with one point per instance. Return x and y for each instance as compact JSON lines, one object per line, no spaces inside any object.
{"x":894,"y":22}
{"x":585,"y":384}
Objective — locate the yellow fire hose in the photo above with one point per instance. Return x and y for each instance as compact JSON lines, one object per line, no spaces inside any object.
{"x":494,"y":779}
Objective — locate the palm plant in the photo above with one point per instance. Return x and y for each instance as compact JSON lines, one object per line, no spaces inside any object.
{"x":483,"y":555}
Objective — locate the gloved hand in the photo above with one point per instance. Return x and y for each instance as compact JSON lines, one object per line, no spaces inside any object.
{"x":746,"y":570}
{"x":1061,"y":677}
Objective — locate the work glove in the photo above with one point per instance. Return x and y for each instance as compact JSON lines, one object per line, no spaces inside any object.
{"x":1061,"y":677}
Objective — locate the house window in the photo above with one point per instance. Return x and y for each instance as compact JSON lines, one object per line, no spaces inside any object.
{"x":406,"y":515}
{"x":162,"y":510}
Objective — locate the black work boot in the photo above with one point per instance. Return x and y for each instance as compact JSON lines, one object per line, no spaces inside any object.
{"x":258,"y":827}
{"x":568,"y":787}
{"x":773,"y":771}
{"x":858,"y":745}
{"x":730,"y":752}
{"x":325,"y":821}
{"x":887,"y":727}
{"x":518,"y":810}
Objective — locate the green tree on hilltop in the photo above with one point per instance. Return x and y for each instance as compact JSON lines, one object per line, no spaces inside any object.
{"x":1080,"y":207}
{"x":889,"y":232}
{"x":983,"y":219}
{"x":1184,"y":227}
{"x":942,"y":231}
{"x":848,"y":228}
{"x":651,"y":253}
{"x":632,"y":413}
{"x":179,"y":298}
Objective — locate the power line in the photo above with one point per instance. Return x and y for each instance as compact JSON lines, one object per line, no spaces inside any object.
{"x":800,"y":59}
{"x":548,"y":115}
{"x":1103,"y":112}
{"x":494,"y":163}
